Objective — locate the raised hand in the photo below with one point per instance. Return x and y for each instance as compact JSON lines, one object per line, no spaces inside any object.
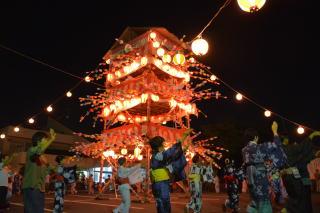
{"x":52,"y":134}
{"x":274,"y":128}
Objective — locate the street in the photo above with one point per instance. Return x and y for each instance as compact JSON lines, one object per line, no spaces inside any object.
{"x":85,"y":203}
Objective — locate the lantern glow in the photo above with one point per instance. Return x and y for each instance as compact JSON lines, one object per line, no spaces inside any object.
{"x":68,"y":94}
{"x":213,"y":77}
{"x":156,"y":44}
{"x":300,"y":130}
{"x":179,"y":59}
{"x":200,"y":46}
{"x":251,"y":5}
{"x":153,"y":35}
{"x":267,"y":113}
{"x":239,"y":97}
{"x":140,"y":157}
{"x":87,"y":79}
{"x":160,"y":51}
{"x":49,"y":108}
{"x":31,"y":121}
{"x":16,"y":129}
{"x":124,"y":151}
{"x":2,"y":136}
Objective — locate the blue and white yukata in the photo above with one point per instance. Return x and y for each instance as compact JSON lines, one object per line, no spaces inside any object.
{"x":63,"y":175}
{"x":124,"y":188}
{"x":254,"y":157}
{"x":196,"y":175}
{"x":166,"y":167}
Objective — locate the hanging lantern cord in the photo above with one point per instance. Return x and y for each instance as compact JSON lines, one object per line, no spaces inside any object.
{"x":226,"y":3}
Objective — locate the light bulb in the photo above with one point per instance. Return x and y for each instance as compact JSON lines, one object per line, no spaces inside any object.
{"x":2,"y":136}
{"x":16,"y":129}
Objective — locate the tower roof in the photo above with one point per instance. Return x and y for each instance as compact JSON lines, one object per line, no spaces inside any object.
{"x":132,"y":33}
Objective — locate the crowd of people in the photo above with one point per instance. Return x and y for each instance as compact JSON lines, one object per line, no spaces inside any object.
{"x":272,"y":172}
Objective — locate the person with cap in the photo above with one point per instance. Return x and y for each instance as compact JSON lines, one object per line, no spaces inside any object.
{"x":123,"y":174}
{"x":35,"y":171}
{"x":165,"y":165}
{"x":232,"y":177}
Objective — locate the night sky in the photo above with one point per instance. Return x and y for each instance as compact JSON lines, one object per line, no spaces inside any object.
{"x":270,"y":56}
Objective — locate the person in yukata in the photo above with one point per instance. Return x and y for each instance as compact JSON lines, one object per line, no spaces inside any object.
{"x":275,"y":183}
{"x":233,"y":178}
{"x":124,"y":187}
{"x":254,"y":157}
{"x":195,"y":185}
{"x":61,"y":175}
{"x":296,"y":176}
{"x":166,"y":166}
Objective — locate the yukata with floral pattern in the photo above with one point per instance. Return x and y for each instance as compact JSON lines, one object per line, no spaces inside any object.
{"x":275,"y":183}
{"x":63,"y":175}
{"x":254,"y":157}
{"x":58,"y":190}
{"x":233,"y":177}
{"x":198,"y":172}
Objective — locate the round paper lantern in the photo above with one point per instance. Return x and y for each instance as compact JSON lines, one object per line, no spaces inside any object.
{"x":179,"y":59}
{"x":200,"y":46}
{"x":153,"y":35}
{"x":166,"y":58}
{"x":31,"y":121}
{"x":49,"y":108}
{"x":144,"y":61}
{"x":300,"y":130}
{"x":124,"y":151}
{"x":267,"y":113}
{"x":156,"y":44}
{"x":140,"y":157}
{"x":69,"y":94}
{"x":251,"y":5}
{"x":213,"y":77}
{"x":160,"y":51}
{"x":87,"y":79}
{"x":239,"y":97}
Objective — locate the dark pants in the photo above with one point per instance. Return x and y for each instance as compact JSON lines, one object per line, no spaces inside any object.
{"x":307,"y":203}
{"x":3,"y":197}
{"x":161,"y":192}
{"x":295,"y":192}
{"x":33,"y":200}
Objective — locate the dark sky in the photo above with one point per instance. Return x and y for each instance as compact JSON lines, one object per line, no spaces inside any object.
{"x":270,"y":56}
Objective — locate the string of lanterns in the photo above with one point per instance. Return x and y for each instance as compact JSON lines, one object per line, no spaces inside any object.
{"x":199,"y":47}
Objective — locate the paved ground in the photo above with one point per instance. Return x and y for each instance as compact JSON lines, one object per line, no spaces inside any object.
{"x":84,"y":203}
